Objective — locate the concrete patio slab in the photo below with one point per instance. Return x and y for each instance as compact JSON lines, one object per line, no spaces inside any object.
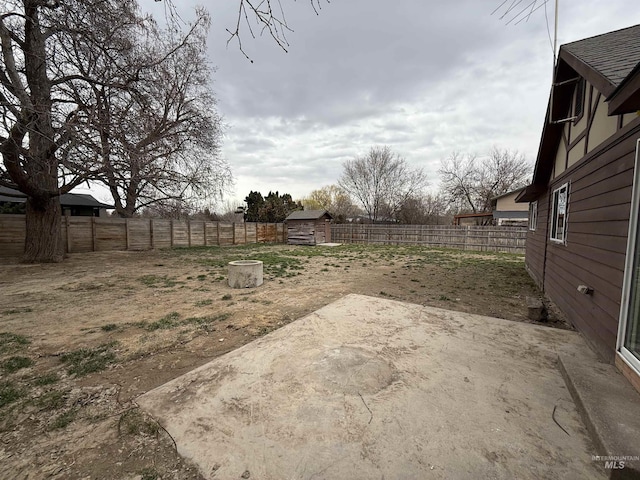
{"x":370,"y":388}
{"x":610,"y":408}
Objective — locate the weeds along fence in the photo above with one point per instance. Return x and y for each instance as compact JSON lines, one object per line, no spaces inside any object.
{"x":96,"y":234}
{"x":488,"y":239}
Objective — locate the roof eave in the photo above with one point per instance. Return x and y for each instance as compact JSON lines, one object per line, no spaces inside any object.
{"x":626,"y":99}
{"x":595,"y":78}
{"x":530,"y":193}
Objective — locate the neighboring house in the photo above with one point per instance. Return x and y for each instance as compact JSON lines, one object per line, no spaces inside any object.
{"x":468,"y":219}
{"x":308,"y":227}
{"x":73,"y":204}
{"x":508,"y":213}
{"x":581,"y":244}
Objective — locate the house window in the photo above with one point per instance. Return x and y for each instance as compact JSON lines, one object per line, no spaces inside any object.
{"x":559,"y":214}
{"x":533,"y":215}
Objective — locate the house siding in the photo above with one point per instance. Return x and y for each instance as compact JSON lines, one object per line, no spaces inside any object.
{"x":600,"y":188}
{"x":536,"y":242}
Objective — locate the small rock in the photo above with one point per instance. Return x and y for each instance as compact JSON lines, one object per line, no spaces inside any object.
{"x":246,"y":474}
{"x":221,"y":340}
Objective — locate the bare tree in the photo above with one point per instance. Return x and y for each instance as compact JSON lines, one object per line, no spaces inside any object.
{"x":63,"y":65}
{"x":470,"y":182}
{"x":381,"y":181}
{"x":44,"y":127}
{"x":430,"y":209}
{"x":265,"y":16}
{"x":333,"y":199}
{"x":161,"y":138}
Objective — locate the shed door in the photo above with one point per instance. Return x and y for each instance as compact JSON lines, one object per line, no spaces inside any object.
{"x":629,"y":327}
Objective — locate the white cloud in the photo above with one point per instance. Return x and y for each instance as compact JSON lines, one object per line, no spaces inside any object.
{"x":425,"y":78}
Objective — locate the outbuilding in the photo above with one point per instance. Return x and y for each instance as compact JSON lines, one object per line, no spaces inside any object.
{"x":308,"y":227}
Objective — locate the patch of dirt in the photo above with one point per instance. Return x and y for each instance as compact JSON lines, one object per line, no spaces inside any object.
{"x":80,"y":340}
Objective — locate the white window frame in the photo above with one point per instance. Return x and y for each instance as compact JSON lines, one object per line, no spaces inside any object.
{"x":533,"y":216}
{"x":628,"y":357}
{"x":558,"y":209}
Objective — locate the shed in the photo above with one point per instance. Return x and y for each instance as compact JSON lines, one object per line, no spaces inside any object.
{"x":308,"y":227}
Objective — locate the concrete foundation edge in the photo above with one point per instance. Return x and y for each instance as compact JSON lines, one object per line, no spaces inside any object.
{"x":597,"y":436}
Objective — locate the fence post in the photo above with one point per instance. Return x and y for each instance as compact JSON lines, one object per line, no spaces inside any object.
{"x":218,"y":233}
{"x":171,"y":232}
{"x":188,"y":233}
{"x":68,"y":224}
{"x":245,"y":232}
{"x":152,"y":239}
{"x":204,"y":231}
{"x":126,"y":232}
{"x":93,"y":234}
{"x":233,"y":228}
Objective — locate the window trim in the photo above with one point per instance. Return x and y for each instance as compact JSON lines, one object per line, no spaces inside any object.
{"x":581,"y":90}
{"x":553,"y":230}
{"x":533,"y":216}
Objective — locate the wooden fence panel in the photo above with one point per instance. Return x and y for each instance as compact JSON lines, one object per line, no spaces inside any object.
{"x":79,"y":234}
{"x":86,"y":234}
{"x":197,"y":233}
{"x":12,"y":235}
{"x":110,"y":234}
{"x":252,"y":233}
{"x":226,"y":233}
{"x":139,"y":233}
{"x":490,"y":238}
{"x":161,"y":233}
{"x":211,"y":233}
{"x":180,"y":231}
{"x":239,"y":234}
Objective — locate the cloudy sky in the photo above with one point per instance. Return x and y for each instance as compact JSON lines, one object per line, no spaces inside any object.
{"x":424,"y":77}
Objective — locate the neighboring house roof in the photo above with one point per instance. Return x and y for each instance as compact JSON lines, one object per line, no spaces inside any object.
{"x":611,"y":63}
{"x":517,"y":190}
{"x":66,"y":199}
{"x":307,"y":215}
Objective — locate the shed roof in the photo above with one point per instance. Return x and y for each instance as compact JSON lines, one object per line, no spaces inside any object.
{"x":308,"y":215}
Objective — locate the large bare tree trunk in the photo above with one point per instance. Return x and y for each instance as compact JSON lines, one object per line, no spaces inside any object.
{"x":44,"y":226}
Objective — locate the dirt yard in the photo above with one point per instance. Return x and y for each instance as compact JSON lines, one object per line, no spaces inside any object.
{"x":79,"y":341}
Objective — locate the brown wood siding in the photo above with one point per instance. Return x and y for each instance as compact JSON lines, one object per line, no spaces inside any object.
{"x":536,"y":240}
{"x":600,"y":191}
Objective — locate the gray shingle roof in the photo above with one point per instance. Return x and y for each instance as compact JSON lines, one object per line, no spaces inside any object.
{"x":307,"y":215}
{"x":66,"y":199}
{"x":613,"y":54}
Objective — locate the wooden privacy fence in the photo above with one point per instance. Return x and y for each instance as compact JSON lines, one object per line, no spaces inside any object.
{"x":96,"y":234}
{"x":489,"y":239}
